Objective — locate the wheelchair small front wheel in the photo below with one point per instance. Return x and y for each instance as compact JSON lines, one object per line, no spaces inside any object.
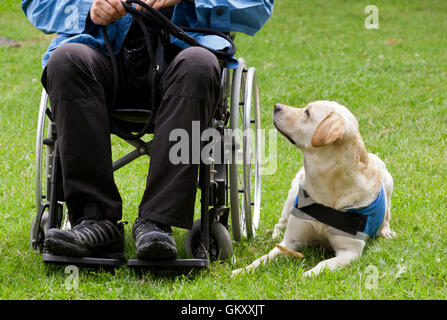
{"x":220,"y":244}
{"x":37,"y":233}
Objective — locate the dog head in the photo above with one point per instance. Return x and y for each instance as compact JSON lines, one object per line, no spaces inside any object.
{"x":319,"y":125}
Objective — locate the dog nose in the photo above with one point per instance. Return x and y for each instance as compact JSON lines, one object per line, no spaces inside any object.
{"x":277,"y":108}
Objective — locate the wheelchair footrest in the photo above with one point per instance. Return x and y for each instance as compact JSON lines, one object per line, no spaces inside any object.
{"x":82,"y":262}
{"x":177,"y":263}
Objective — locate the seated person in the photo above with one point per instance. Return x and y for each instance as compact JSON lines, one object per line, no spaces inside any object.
{"x":78,"y":78}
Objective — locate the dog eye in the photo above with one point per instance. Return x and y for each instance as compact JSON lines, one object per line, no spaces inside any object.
{"x":307,"y":113}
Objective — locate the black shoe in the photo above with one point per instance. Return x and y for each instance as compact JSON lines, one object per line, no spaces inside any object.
{"x":90,"y":238}
{"x":153,"y":241}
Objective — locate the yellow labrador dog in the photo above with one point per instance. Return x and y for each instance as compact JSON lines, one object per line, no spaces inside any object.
{"x":341,"y":195}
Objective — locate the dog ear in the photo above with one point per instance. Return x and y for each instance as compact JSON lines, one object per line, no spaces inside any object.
{"x":329,"y":130}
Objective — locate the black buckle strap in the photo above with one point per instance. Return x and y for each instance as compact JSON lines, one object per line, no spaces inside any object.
{"x":350,"y":222}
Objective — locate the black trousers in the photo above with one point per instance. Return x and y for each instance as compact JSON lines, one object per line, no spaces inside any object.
{"x":78,"y":80}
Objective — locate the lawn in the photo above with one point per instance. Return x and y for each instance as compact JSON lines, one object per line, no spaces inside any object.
{"x":394,"y":81}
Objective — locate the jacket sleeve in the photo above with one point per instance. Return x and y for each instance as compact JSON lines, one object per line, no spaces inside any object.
{"x":247,"y":16}
{"x":58,"y":16}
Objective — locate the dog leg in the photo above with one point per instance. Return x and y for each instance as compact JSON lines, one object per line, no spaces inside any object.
{"x":385,"y":230}
{"x":289,"y":203}
{"x":263,"y":260}
{"x":346,"y":251}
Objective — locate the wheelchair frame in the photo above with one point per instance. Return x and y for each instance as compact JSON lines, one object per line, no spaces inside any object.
{"x":225,"y":187}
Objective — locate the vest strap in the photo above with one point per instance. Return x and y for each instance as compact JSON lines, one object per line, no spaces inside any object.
{"x":349,"y":222}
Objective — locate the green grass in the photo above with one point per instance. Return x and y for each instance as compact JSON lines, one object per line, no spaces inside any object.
{"x":308,"y":50}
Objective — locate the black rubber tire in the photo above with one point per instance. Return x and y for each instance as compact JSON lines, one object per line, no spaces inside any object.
{"x":221,"y":245}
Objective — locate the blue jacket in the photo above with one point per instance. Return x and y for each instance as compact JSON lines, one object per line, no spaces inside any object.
{"x":68,"y":18}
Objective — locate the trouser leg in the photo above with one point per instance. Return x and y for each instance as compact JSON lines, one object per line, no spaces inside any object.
{"x":78,"y":79}
{"x":190,"y":92}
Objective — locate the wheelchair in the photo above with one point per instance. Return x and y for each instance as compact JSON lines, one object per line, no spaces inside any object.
{"x":230,"y":191}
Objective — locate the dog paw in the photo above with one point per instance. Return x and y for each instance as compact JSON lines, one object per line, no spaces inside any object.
{"x":309,"y":274}
{"x":387,"y":233}
{"x":236,"y":272}
{"x":275,"y":233}
{"x":315,"y":271}
{"x":277,"y":230}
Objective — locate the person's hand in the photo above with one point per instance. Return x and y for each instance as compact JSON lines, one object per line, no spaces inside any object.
{"x":158,"y":4}
{"x":104,"y":12}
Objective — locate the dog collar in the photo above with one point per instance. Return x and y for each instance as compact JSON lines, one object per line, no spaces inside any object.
{"x":359,"y":223}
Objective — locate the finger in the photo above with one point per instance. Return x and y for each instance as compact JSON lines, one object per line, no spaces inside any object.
{"x":99,"y":21}
{"x":118,"y":6}
{"x":101,"y":17}
{"x":97,"y":16}
{"x":158,"y":4}
{"x":110,"y":10}
{"x":149,"y":3}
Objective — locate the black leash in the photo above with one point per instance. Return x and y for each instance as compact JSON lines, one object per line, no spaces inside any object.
{"x":154,"y":17}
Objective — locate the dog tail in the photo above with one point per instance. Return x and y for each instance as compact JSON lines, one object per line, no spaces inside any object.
{"x":289,"y":252}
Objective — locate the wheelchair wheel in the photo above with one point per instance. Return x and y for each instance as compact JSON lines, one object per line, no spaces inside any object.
{"x":245,"y":168}
{"x":220,"y":244}
{"x":45,"y":152}
{"x":43,"y":159}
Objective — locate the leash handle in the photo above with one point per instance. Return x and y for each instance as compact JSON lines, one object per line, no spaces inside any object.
{"x":179,"y":32}
{"x":155,"y":74}
{"x":154,"y":17}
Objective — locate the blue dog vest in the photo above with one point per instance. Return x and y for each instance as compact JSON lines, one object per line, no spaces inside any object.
{"x":360,"y":223}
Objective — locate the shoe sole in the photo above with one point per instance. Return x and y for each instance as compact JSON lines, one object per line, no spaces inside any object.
{"x":157,"y":249}
{"x":63,"y":248}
